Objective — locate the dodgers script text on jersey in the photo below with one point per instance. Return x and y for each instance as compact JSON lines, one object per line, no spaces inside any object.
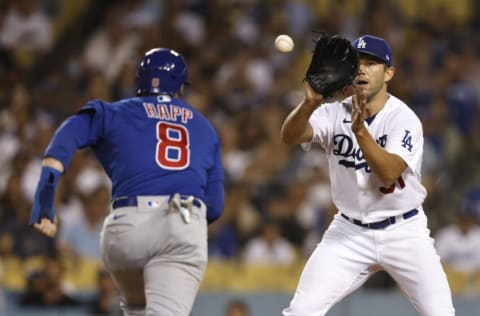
{"x":405,"y":138}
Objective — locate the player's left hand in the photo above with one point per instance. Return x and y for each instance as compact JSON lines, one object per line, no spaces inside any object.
{"x":333,"y":66}
{"x":359,"y":102}
{"x":47,"y":227}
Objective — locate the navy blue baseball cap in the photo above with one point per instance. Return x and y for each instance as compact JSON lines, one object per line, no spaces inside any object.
{"x":375,"y":46}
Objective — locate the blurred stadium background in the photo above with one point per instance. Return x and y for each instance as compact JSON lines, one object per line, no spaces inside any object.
{"x":55,"y":55}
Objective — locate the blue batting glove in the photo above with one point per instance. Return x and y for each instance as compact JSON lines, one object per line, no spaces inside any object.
{"x":44,"y":195}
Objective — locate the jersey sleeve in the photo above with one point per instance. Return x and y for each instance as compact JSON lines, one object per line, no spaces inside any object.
{"x":214,"y":191}
{"x":405,"y":139}
{"x":78,"y":131}
{"x":98,"y":118}
{"x":321,"y":122}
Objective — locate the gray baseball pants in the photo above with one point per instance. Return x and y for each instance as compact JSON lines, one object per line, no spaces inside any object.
{"x":156,"y":259}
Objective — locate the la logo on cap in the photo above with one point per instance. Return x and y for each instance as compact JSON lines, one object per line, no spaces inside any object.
{"x":361,"y":43}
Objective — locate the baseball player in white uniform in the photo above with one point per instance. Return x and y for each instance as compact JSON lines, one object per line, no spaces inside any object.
{"x":374,"y":145}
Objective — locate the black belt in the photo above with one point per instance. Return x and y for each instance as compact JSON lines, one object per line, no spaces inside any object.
{"x":129,"y":201}
{"x":381,"y":224}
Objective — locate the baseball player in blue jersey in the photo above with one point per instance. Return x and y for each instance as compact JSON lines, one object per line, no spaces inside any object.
{"x":374,"y":144}
{"x":164,"y":160}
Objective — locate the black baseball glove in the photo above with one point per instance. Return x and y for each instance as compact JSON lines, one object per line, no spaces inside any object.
{"x":334,"y":65}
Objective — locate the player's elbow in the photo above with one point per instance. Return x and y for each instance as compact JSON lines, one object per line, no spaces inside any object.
{"x":289,"y":138}
{"x":392,"y":172}
{"x":214,"y":199}
{"x":213,"y":214}
{"x":293,"y":134}
{"x":387,"y":182}
{"x":389,"y":179}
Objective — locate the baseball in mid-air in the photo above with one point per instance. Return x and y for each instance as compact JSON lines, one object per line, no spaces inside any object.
{"x":284,"y":43}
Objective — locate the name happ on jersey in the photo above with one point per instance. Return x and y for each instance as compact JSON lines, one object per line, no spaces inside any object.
{"x":168,"y":112}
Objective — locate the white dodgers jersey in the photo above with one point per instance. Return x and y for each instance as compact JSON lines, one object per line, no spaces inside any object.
{"x":356,"y":190}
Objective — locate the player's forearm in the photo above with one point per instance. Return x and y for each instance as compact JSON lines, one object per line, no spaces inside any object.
{"x":295,"y":128}
{"x":42,"y":215}
{"x":386,"y":166}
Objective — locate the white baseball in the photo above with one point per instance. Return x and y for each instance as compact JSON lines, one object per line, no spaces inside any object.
{"x":284,"y":43}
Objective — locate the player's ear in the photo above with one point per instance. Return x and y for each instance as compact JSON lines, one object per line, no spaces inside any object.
{"x":389,"y":72}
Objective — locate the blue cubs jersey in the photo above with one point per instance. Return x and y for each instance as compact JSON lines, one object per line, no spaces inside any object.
{"x":155,"y":145}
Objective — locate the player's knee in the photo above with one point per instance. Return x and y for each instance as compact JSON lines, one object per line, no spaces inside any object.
{"x":168,"y":305}
{"x":155,"y":309}
{"x":298,"y":309}
{"x":290,"y":311}
{"x":437,"y":307}
{"x":442,"y":310}
{"x":132,"y":310}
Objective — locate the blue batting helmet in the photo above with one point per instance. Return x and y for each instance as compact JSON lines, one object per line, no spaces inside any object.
{"x":161,"y":71}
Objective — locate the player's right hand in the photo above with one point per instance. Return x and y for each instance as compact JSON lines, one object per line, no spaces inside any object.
{"x":47,"y":227}
{"x":359,"y":107}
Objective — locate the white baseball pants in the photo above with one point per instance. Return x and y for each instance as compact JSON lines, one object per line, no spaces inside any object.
{"x":348,"y":254}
